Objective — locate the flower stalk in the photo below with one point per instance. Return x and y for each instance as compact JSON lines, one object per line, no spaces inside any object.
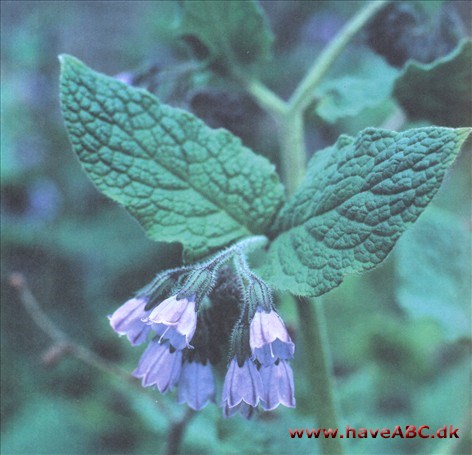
{"x":289,"y":118}
{"x":319,"y":369}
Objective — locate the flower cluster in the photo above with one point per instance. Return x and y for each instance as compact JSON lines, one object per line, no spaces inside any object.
{"x":259,"y":371}
{"x":187,"y":322}
{"x":166,"y":361}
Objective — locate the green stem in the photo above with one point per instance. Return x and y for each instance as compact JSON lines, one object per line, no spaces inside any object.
{"x":292,"y":150}
{"x":176,"y":433}
{"x":293,"y":167}
{"x":289,"y":117}
{"x":304,"y":94}
{"x":266,"y":98}
{"x":319,"y":370}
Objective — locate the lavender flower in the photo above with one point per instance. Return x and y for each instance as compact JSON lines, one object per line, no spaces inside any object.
{"x":277,"y":380}
{"x":160,"y":366}
{"x":127,"y":320}
{"x":125,"y":77}
{"x":259,"y":349}
{"x":269,"y":339}
{"x":175,"y":320}
{"x":196,"y":385}
{"x":242,"y":386}
{"x":243,"y":408}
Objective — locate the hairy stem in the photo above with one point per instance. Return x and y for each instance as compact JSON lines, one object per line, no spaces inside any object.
{"x":319,"y":369}
{"x":304,"y":94}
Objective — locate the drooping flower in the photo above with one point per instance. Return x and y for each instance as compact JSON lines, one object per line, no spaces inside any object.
{"x":175,"y":320}
{"x":277,"y":381}
{"x":196,"y":385}
{"x":127,"y":320}
{"x":243,"y":385}
{"x":260,"y":345}
{"x":242,"y":408}
{"x":160,"y":366}
{"x":269,"y":339}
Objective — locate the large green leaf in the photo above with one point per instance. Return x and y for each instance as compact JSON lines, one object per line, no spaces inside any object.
{"x":439,"y":91}
{"x":432,"y":264}
{"x":183,"y":181}
{"x":356,"y":200}
{"x":229,"y":34}
{"x":369,"y":83}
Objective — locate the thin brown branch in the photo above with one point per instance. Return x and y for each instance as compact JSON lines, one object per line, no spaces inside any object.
{"x":67,"y":345}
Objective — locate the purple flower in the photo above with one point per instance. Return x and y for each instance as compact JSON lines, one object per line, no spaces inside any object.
{"x":127,"y":320}
{"x":159,"y":366}
{"x":175,"y":320}
{"x":243,"y":408}
{"x":277,"y":380}
{"x":269,"y":339}
{"x":196,"y":385}
{"x":243,"y":385}
{"x":125,"y":77}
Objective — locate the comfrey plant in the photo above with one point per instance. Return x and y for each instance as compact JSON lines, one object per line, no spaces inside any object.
{"x":185,"y":182}
{"x":167,"y":312}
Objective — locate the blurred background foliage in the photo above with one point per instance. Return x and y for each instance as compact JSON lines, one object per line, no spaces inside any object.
{"x":400,"y":335}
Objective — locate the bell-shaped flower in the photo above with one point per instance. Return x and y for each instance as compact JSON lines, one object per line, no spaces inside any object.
{"x":196,"y":385}
{"x":242,"y":408}
{"x":269,"y":339}
{"x":127,"y":320}
{"x":175,"y":320}
{"x":243,"y":384}
{"x":159,"y":366}
{"x":277,"y":381}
